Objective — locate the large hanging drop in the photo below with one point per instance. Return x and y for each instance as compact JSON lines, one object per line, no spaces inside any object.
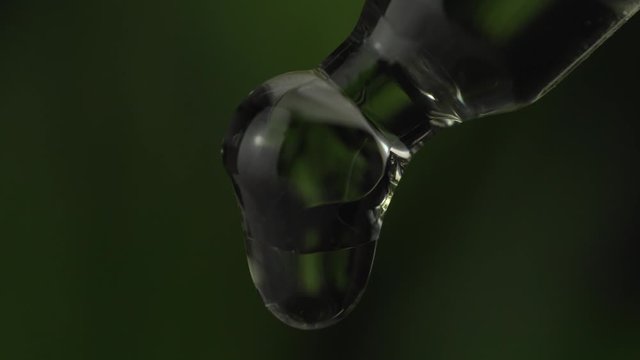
{"x":313,"y":178}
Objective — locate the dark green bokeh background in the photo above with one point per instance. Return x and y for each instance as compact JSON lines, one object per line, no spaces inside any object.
{"x":512,"y":237}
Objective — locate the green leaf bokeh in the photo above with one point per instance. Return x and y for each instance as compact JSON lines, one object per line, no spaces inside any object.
{"x":511,"y":237}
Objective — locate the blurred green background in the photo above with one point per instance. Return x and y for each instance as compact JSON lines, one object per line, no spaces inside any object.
{"x":511,"y":237}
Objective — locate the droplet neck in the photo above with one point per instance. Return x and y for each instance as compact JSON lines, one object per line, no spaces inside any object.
{"x":381,"y":89}
{"x":377,"y":70}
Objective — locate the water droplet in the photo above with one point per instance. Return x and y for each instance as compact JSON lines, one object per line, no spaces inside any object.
{"x":313,"y":178}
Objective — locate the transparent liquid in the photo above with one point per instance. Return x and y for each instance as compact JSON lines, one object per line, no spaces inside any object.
{"x":310,"y":290}
{"x":313,"y":178}
{"x":492,"y":55}
{"x":315,"y":156}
